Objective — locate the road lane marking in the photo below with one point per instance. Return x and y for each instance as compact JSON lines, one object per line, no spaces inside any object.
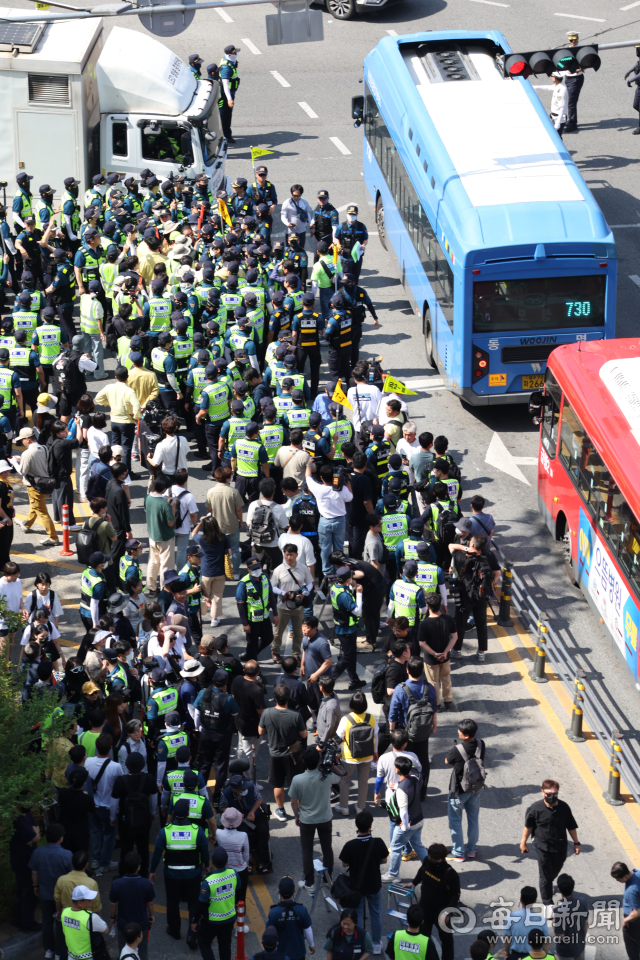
{"x":340,"y":145}
{"x":498,"y":456}
{"x":491,"y":3}
{"x":630,"y":6}
{"x":634,"y":276}
{"x":307,"y":109}
{"x":281,"y":80}
{"x":392,"y":33}
{"x":251,"y":46}
{"x":624,"y":226}
{"x":223,"y":15}
{"x":572,"y":16}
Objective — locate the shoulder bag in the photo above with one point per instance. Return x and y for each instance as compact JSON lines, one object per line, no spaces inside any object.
{"x":345,"y":888}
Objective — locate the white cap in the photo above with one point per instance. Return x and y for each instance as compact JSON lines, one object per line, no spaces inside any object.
{"x":5,"y":467}
{"x":82,"y":892}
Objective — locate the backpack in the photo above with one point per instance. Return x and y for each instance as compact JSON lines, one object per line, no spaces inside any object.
{"x":473,"y":772}
{"x":262,"y":528}
{"x":455,"y":473}
{"x":180,"y":516}
{"x":379,"y":682}
{"x":477,"y":578}
{"x":306,"y":509}
{"x":88,"y":541}
{"x":136,"y":814}
{"x":361,"y":738}
{"x":69,"y":374}
{"x":97,"y":483}
{"x":419,"y":721}
{"x":446,"y":525}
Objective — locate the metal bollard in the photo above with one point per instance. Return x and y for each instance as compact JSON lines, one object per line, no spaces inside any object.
{"x":575,"y":730}
{"x":504,"y":614}
{"x":65,"y":552}
{"x":241,"y":929}
{"x":612,"y":794}
{"x":537,"y":673}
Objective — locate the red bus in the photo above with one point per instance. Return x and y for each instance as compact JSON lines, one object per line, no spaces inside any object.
{"x":589,"y":477}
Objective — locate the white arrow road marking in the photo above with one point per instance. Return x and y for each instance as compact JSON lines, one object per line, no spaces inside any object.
{"x":498,"y":456}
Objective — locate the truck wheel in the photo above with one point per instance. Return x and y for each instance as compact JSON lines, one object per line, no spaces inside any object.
{"x":428,"y":344}
{"x":380,"y":223}
{"x":342,"y":9}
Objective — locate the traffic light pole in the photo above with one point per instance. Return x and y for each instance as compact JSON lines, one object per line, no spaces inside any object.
{"x":122,"y":9}
{"x":616,"y":46}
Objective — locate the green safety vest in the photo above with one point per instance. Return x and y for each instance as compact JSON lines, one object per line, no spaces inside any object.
{"x":167,"y":700}
{"x":298,"y":379}
{"x":199,"y":380}
{"x":120,"y":674}
{"x":435,"y":513}
{"x":75,"y":216}
{"x":182,"y":351}
{"x":453,"y":487}
{"x":298,"y":418}
{"x":349,"y":618}
{"x":395,"y":527}
{"x":283,"y":404}
{"x":175,"y":779}
{"x":108,"y":273}
{"x":272,"y":436}
{"x":201,"y":291}
{"x":259,"y":291}
{"x":93,"y":198}
{"x":8,"y":397}
{"x":218,"y":409}
{"x":344,"y":432}
{"x":77,"y":936}
{"x":125,"y":562}
{"x":247,"y":457}
{"x":237,"y":340}
{"x":37,"y":301}
{"x":41,"y":205}
{"x":409,"y":946}
{"x":427,"y":576}
{"x":92,"y":261}
{"x":222,"y":895}
{"x":181,"y":846}
{"x":27,"y":204}
{"x":256,"y":322}
{"x":89,"y":309}
{"x":193,"y":576}
{"x":404,"y":600}
{"x":234,"y":81}
{"x":296,"y":296}
{"x":88,"y":582}
{"x":160,"y":313}
{"x":25,"y":320}
{"x":257,"y":602}
{"x":8,"y":343}
{"x":249,"y":408}
{"x":411,"y":548}
{"x":270,"y":353}
{"x":124,"y":346}
{"x":19,"y":361}
{"x":229,"y":302}
{"x":49,"y":345}
{"x":196,"y":804}
{"x":136,"y":201}
{"x":237,"y":427}
{"x":173,"y":742}
{"x":158,"y":357}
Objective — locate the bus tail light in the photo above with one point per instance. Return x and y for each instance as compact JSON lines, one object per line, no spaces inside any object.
{"x":480,"y":365}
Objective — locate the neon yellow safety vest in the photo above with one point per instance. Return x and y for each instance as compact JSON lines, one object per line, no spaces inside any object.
{"x":272,"y":436}
{"x":8,"y":397}
{"x":25,"y":320}
{"x":125,"y":562}
{"x":343,"y":431}
{"x":40,"y":205}
{"x":77,"y":936}
{"x":298,"y":418}
{"x":199,"y":379}
{"x":167,"y":700}
{"x":218,"y":409}
{"x":49,"y":343}
{"x":175,"y":779}
{"x":119,"y":674}
{"x":173,"y":742}
{"x":349,"y":617}
{"x":158,"y":357}
{"x":75,"y":216}
{"x":196,"y":803}
{"x":409,"y":946}
{"x":222,"y":895}
{"x":88,"y":582}
{"x":237,"y":427}
{"x":108,"y":273}
{"x":90,"y":309}
{"x":404,"y":602}
{"x":283,"y":404}
{"x":395,"y":527}
{"x":26,"y":209}
{"x":182,"y":350}
{"x":181,"y":851}
{"x":124,"y":347}
{"x":256,"y":322}
{"x":257,"y":602}
{"x":427,"y":576}
{"x":247,"y":457}
{"x":411,"y":548}
{"x":160,"y":313}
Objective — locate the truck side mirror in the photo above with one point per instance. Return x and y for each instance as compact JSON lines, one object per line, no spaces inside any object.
{"x":357,"y":110}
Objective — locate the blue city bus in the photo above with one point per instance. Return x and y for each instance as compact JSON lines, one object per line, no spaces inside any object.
{"x":499,"y":244}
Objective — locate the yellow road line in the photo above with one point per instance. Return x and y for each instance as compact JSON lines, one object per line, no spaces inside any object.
{"x":264,"y":897}
{"x":183,"y":913}
{"x":34,"y":558}
{"x":254,"y":917}
{"x":570,"y":748}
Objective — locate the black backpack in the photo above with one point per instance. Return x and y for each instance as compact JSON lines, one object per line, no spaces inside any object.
{"x":446,"y":524}
{"x":361,"y":737}
{"x":379,"y":682}
{"x":419,"y":722}
{"x":87,"y":541}
{"x":477,"y":578}
{"x":97,"y":483}
{"x":306,"y":509}
{"x":262,"y":528}
{"x":455,"y":473}
{"x":136,"y":814}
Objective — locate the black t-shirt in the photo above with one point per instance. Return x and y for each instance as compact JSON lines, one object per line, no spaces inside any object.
{"x":250,"y":698}
{"x":455,"y":760}
{"x":299,"y":699}
{"x":435,"y":632}
{"x":61,"y":458}
{"x":549,"y":825}
{"x":362,"y":491}
{"x":396,"y":673}
{"x":85,"y":421}
{"x":353,"y":854}
{"x":372,"y":581}
{"x":133,"y":783}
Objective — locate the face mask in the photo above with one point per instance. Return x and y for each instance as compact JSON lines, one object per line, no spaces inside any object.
{"x":255,"y":574}
{"x":73,"y":191}
{"x":351,"y":217}
{"x":101,"y":188}
{"x":233,"y":57}
{"x":244,"y":793}
{"x":185,"y":287}
{"x":551,"y":798}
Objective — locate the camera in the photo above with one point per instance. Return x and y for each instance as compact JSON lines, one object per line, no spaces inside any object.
{"x":295,"y":597}
{"x":330,"y":757}
{"x":340,"y":477}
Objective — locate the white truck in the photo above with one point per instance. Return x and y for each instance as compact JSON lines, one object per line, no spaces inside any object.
{"x":73,"y":105}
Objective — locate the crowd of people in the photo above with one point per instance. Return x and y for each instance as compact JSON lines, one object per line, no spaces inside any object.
{"x":320,"y":498}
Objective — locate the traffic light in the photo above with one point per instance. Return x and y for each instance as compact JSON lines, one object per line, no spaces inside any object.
{"x":548,"y":61}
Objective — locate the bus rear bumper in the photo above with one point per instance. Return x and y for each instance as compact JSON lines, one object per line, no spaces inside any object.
{"x":490,"y":400}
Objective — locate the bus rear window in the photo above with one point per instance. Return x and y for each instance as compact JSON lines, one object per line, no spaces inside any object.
{"x":540,"y":303}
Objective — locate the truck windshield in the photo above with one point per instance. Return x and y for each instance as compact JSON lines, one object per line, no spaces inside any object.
{"x":211,"y":126}
{"x":171,"y":145}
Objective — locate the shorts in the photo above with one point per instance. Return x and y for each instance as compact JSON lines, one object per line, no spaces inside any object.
{"x":282,"y":769}
{"x":66,"y":403}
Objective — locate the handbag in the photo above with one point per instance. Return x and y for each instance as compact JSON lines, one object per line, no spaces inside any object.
{"x":228,"y":569}
{"x":42,"y":484}
{"x":99,"y":949}
{"x":345,"y":888}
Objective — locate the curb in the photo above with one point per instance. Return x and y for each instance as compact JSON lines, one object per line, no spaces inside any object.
{"x":17,"y":945}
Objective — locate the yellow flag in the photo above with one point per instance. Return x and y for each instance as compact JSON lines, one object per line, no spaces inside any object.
{"x":335,"y":254}
{"x":259,"y":152}
{"x":339,"y":396}
{"x":224,"y":213}
{"x":391,"y":385}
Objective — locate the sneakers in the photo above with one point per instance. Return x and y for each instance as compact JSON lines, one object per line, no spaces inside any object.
{"x":357,"y":684}
{"x":75,"y":527}
{"x":25,"y":529}
{"x":412,"y":855}
{"x":307,"y":889}
{"x":448,"y":705}
{"x":389,"y":877}
{"x":95,"y":864}
{"x":471,"y":856}
{"x":215,"y":623}
{"x":343,"y":810}
{"x":49,"y":543}
{"x":456,"y":859}
{"x":48,"y":955}
{"x":280,"y":814}
{"x":377,"y":949}
{"x":456,"y":655}
{"x":481,"y":656}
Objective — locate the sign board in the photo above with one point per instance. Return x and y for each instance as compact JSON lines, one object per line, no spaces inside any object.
{"x":163,"y":23}
{"x":294,"y":23}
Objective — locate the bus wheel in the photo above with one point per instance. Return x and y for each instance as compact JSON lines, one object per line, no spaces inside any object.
{"x":342,"y":9}
{"x":566,"y":548}
{"x":380,"y":223}
{"x":428,"y":344}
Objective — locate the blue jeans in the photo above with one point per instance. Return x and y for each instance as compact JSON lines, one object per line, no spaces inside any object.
{"x":373,"y":902}
{"x":93,"y":344}
{"x":103,"y":836}
{"x":471,"y":803}
{"x":234,"y":544}
{"x":331,"y":534}
{"x":392,"y":826}
{"x":325,"y":301}
{"x":399,"y":839}
{"x":182,"y":542}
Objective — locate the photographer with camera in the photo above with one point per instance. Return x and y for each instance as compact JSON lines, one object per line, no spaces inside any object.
{"x":310,"y":796}
{"x":372,"y":583}
{"x":292,"y":582}
{"x":331,"y":503}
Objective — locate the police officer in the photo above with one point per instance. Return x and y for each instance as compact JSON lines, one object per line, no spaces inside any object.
{"x":71,"y":219}
{"x":325,"y":219}
{"x":337,"y":432}
{"x":249,"y":460}
{"x":430,"y":576}
{"x":310,"y":326}
{"x":255,"y":600}
{"x":338,"y":334}
{"x":346,"y":615}
{"x":133,"y":199}
{"x":215,"y":911}
{"x":262,"y":191}
{"x":358,"y":302}
{"x":215,"y":400}
{"x":395,"y":528}
{"x":240,"y":204}
{"x":49,"y":341}
{"x":291,"y":920}
{"x":168,"y":744}
{"x":436,"y":516}
{"x":229,"y":83}
{"x":196,"y":381}
{"x":87,"y":260}
{"x":94,"y":195}
{"x":93,"y":591}
{"x":24,"y":361}
{"x":195,"y":63}
{"x":63,"y":290}
{"x":184,"y":849}
{"x":574,"y":83}
{"x":128,"y":566}
{"x":163,"y":363}
{"x":349,"y":233}
{"x":407,"y":549}
{"x":272,"y":433}
{"x":633,"y":76}
{"x":23,"y":200}
{"x":162,"y":701}
{"x":31,"y":242}
{"x":406,"y":598}
{"x":215,"y":709}
{"x":233,"y":428}
{"x":192,"y":574}
{"x":410,"y":944}
{"x":377,"y":452}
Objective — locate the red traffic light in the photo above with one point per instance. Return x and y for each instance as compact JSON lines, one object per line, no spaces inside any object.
{"x":517,"y":66}
{"x":547,"y":61}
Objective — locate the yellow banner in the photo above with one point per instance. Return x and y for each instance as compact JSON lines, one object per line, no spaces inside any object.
{"x":391,"y":385}
{"x":224,"y":212}
{"x":339,"y":396}
{"x":257,"y":152}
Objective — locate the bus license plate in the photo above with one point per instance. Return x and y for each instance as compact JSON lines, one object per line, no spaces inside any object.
{"x":533,"y":382}
{"x":497,"y":379}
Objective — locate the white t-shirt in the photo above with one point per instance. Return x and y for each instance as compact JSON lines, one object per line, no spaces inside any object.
{"x":305,"y":549}
{"x":365,"y":400}
{"x":44,"y":601}
{"x":165,"y":454}
{"x":154,"y":649}
{"x":382,"y":409}
{"x":12,"y":593}
{"x":187,"y":506}
{"x":407,"y":450}
{"x":28,"y":630}
{"x":96,"y":439}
